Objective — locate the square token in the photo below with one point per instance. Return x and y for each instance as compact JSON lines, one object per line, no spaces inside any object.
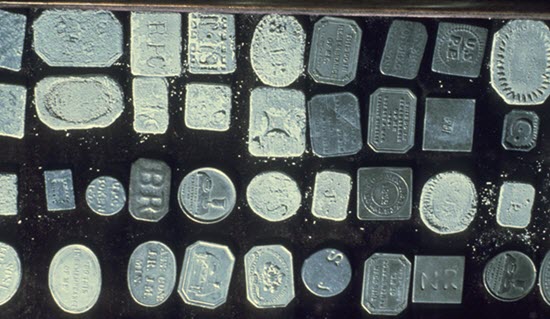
{"x":384,"y":193}
{"x":331,"y":195}
{"x":449,"y":125}
{"x":59,"y":190}
{"x":515,"y":203}
{"x":438,"y":279}
{"x":8,"y":194}
{"x":208,"y":107}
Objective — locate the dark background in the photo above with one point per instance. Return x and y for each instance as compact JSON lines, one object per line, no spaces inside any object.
{"x":37,"y":234}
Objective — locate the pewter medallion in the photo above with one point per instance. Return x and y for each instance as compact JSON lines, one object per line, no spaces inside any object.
{"x":59,"y":190}
{"x":10,"y":272}
{"x":149,"y":194}
{"x":509,"y":276}
{"x":515,"y":203}
{"x":105,"y":196}
{"x":331,"y":195}
{"x":520,"y":131}
{"x":326,"y":273}
{"x":438,"y":279}
{"x":544,"y":278}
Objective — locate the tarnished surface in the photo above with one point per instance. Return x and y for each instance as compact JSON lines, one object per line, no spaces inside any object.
{"x":150,"y":98}
{"x":438,"y":279}
{"x":331,"y":195}
{"x":520,"y":131}
{"x":12,"y":33}
{"x":515,"y":203}
{"x":13,"y":104}
{"x":105,"y":196}
{"x":404,"y":49}
{"x":509,"y":276}
{"x":208,"y":106}
{"x":544,"y":278}
{"x":10,"y":272}
{"x":59,"y":190}
{"x":326,"y":273}
{"x":8,"y":194}
{"x":149,"y":193}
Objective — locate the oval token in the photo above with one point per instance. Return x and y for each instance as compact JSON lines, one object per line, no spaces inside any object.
{"x":10,"y":272}
{"x":151,"y":273}
{"x":509,"y":276}
{"x":105,"y":196}
{"x":326,"y":273}
{"x":544,"y":278}
{"x":74,"y":279}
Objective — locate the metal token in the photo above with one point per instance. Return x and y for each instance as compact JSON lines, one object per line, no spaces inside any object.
{"x":404,"y":49}
{"x":386,"y":284}
{"x":59,"y":190}
{"x":150,"y":99}
{"x":10,"y":272}
{"x":334,"y":51}
{"x":105,"y":196}
{"x":449,"y":125}
{"x":438,"y":279}
{"x":12,"y":32}
{"x":520,"y":62}
{"x":151,"y":273}
{"x":74,"y":279}
{"x":384,"y":193}
{"x":514,"y":204}
{"x":207,"y":195}
{"x":459,"y":49}
{"x":208,"y":106}
{"x":448,"y":203}
{"x":392,"y":118}
{"x":334,"y":125}
{"x":13,"y":100}
{"x":277,"y":50}
{"x":274,"y":196}
{"x":544,"y":278}
{"x":331,"y":195}
{"x":155,"y":43}
{"x":326,"y":273}
{"x":520,"y":131}
{"x":269,"y":276}
{"x":78,"y":102}
{"x":8,"y":195}
{"x":211,"y":43}
{"x":206,"y":275}
{"x":78,"y":38}
{"x":277,"y":123}
{"x":149,"y":194}
{"x":509,"y":276}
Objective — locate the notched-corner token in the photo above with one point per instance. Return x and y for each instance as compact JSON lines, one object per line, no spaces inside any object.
{"x":13,"y":101}
{"x":8,"y":195}
{"x":509,"y":276}
{"x":384,"y":273}
{"x":277,"y":126}
{"x":269,"y":276}
{"x":404,"y":49}
{"x":326,"y":273}
{"x":515,"y":203}
{"x":12,"y":33}
{"x":78,"y":102}
{"x":78,"y":38}
{"x":544,"y":278}
{"x":334,"y":51}
{"x":10,"y":272}
{"x":149,"y":193}
{"x":438,"y":279}
{"x":331,"y":195}
{"x":208,"y":106}
{"x":520,"y":131}
{"x":206,"y":275}
{"x":59,"y":190}
{"x":520,"y":62}
{"x":211,"y":43}
{"x":105,"y":196}
{"x":392,"y":118}
{"x":150,"y":99}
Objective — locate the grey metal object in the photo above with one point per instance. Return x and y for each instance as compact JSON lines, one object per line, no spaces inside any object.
{"x":459,"y":49}
{"x":386,"y":284}
{"x":78,"y":102}
{"x":59,"y":190}
{"x":404,"y":49}
{"x":449,"y":125}
{"x":13,"y":101}
{"x":206,"y":275}
{"x":10,"y":272}
{"x":334,"y":51}
{"x":448,"y":203}
{"x":515,"y":203}
{"x":155,"y":44}
{"x":544,"y":278}
{"x":520,"y":62}
{"x":150,"y":99}
{"x":78,"y":38}
{"x":392,"y":120}
{"x":331,"y":194}
{"x":277,"y":50}
{"x":269,"y":276}
{"x":12,"y":33}
{"x":384,"y":193}
{"x":208,"y":106}
{"x":509,"y":276}
{"x":438,"y":279}
{"x":74,"y":279}
{"x":105,"y":196}
{"x":326,"y":273}
{"x":8,"y":195}
{"x":520,"y":131}
{"x":151,"y":274}
{"x":207,"y":195}
{"x":335,"y":125}
{"x":149,"y":194}
{"x":277,"y":123}
{"x":211,"y":43}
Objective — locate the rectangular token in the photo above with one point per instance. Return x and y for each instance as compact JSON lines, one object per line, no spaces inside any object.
{"x":59,"y":190}
{"x":12,"y":33}
{"x":438,"y":279}
{"x":150,"y":97}
{"x":515,"y":203}
{"x":13,"y":100}
{"x":331,"y":195}
{"x":149,"y":193}
{"x":8,"y":194}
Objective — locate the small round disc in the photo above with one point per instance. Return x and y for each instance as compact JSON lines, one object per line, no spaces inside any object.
{"x":509,"y":276}
{"x":326,"y":273}
{"x":10,"y":272}
{"x":105,"y":196}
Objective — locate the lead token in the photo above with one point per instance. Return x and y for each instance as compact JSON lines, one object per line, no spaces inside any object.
{"x":12,"y":33}
{"x":149,"y":194}
{"x":74,"y":279}
{"x":150,"y":99}
{"x":544,"y":278}
{"x":448,"y":203}
{"x":515,"y":203}
{"x":8,"y":195}
{"x":331,"y":195}
{"x":59,"y":190}
{"x":13,"y":100}
{"x":105,"y":196}
{"x":151,"y":273}
{"x":438,"y":279}
{"x":10,"y":272}
{"x":208,"y":106}
{"x":520,"y":131}
{"x":326,"y":273}
{"x":509,"y":276}
{"x":207,"y":195}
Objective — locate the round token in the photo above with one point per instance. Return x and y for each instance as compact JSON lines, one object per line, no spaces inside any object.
{"x":75,"y":279}
{"x":509,"y":276}
{"x":105,"y":196}
{"x":207,"y":195}
{"x":326,"y":273}
{"x":151,"y":273}
{"x":544,"y":278}
{"x":10,"y":272}
{"x":274,"y":196}
{"x":448,"y":203}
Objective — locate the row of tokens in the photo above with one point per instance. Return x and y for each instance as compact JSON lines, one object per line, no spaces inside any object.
{"x":75,"y":277}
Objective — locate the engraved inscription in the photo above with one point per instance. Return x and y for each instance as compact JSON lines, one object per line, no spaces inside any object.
{"x":208,"y":106}
{"x":331,"y":195}
{"x":438,"y":279}
{"x":544,"y":278}
{"x":10,"y":272}
{"x":59,"y":190}
{"x":326,"y":273}
{"x":404,"y":49}
{"x":150,"y":97}
{"x":13,"y":100}
{"x":509,"y":276}
{"x":149,"y":193}
{"x":520,"y":131}
{"x":515,"y":203}
{"x":105,"y":196}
